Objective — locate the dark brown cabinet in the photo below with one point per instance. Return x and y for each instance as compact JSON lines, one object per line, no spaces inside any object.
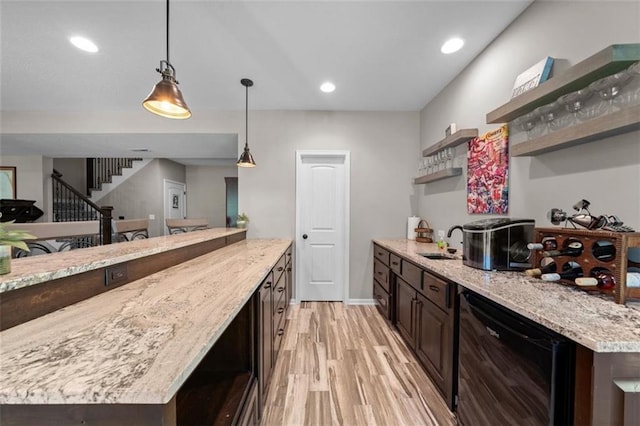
{"x":273,"y":300}
{"x":405,"y":311}
{"x":434,"y":345}
{"x":382,"y":283}
{"x":424,"y":315}
{"x":265,"y":335}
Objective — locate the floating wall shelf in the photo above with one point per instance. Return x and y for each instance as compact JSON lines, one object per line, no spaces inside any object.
{"x":455,"y":139}
{"x":606,"y":62}
{"x":456,"y":171}
{"x":622,"y":121}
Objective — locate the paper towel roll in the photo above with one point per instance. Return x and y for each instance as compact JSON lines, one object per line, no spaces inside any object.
{"x":412,"y":224}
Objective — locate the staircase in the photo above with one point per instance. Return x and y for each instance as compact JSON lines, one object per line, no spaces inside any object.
{"x":70,"y":205}
{"x":106,"y":174}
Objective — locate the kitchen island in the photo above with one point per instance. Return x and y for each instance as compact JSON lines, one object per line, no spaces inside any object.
{"x":607,"y":335}
{"x":123,"y":356}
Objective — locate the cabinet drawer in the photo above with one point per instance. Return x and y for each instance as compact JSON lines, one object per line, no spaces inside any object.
{"x":411,"y":274}
{"x":278,"y":335}
{"x":381,"y":274}
{"x":279,"y":268}
{"x":436,"y":290}
{"x":288,"y":255}
{"x":280,"y":288}
{"x":381,"y":254}
{"x":395,"y":263}
{"x":383,"y":301}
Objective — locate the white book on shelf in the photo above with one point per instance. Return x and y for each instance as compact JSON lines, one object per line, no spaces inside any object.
{"x":532,"y":77}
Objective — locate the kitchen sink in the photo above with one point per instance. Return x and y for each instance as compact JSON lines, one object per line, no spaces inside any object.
{"x":436,"y":256}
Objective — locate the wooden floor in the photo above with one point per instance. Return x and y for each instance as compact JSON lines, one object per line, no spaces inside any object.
{"x":344,"y":365}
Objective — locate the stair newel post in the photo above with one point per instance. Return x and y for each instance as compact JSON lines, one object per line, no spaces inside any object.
{"x":106,"y":224}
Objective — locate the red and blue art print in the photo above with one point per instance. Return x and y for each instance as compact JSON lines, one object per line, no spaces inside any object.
{"x":488,"y":173}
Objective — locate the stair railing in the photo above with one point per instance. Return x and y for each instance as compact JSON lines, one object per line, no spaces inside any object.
{"x":78,"y":207}
{"x":100,"y":170}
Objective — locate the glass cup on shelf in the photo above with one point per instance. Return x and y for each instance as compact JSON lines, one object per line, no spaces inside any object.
{"x":547,"y":115}
{"x":630,"y":93}
{"x":443,"y":160}
{"x":607,"y":89}
{"x":429,"y":165}
{"x":574,"y":103}
{"x":449,"y":154}
{"x":530,"y":123}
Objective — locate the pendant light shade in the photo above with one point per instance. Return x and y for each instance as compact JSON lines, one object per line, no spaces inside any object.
{"x":166,"y":99}
{"x":246,"y":159}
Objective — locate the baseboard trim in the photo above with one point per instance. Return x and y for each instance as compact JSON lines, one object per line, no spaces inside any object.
{"x":361,"y":302}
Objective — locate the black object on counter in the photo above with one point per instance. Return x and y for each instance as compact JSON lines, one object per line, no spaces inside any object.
{"x":21,"y":211}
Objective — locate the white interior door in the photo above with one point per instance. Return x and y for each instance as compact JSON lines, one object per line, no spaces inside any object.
{"x":175,"y":202}
{"x":322,"y":225}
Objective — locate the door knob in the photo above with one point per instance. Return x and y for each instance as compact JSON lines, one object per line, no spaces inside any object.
{"x":305,"y":236}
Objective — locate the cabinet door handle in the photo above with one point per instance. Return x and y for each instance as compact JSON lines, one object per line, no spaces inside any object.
{"x":289,"y":269}
{"x":280,"y":310}
{"x":280,"y":289}
{"x":394,"y":263}
{"x":268,"y":284}
{"x":280,"y":332}
{"x":280,"y":268}
{"x":379,"y":273}
{"x":434,"y":288}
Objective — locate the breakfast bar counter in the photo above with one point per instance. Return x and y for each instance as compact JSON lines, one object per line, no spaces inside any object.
{"x":33,"y":270}
{"x":593,"y":321}
{"x":138,"y":343}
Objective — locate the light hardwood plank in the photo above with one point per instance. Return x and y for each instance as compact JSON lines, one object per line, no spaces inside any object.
{"x":344,"y":365}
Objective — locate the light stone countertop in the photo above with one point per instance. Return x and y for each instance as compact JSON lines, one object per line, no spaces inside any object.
{"x":32,"y":270}
{"x":135,"y":344}
{"x":593,"y":321}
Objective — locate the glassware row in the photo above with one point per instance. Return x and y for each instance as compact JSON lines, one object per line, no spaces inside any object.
{"x":441,"y":160}
{"x":604,"y":96}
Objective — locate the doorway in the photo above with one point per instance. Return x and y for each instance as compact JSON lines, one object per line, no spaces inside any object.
{"x":231,"y":201}
{"x":175,"y":202}
{"x":322,"y":225}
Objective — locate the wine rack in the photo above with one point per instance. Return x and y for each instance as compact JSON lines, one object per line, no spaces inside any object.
{"x":617,"y":264}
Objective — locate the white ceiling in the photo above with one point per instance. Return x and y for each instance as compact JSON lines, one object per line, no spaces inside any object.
{"x":382,"y":55}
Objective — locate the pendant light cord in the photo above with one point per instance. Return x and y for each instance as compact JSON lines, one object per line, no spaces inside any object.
{"x":246,"y":118}
{"x":168,"y":32}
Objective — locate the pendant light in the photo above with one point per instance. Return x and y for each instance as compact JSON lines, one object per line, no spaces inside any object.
{"x":166,"y":99}
{"x":246,"y":159}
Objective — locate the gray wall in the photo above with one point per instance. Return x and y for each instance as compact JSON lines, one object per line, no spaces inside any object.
{"x":383,"y":148}
{"x":143,"y":193}
{"x":206,"y":192}
{"x":33,"y":180}
{"x":606,"y":172}
{"x":74,"y":171}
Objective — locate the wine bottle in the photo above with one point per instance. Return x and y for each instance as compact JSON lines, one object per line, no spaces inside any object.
{"x":548,"y":243}
{"x":604,"y":252}
{"x":606,"y":280}
{"x":543,"y":269}
{"x":601,"y":278}
{"x":570,"y":275}
{"x":574,"y":249}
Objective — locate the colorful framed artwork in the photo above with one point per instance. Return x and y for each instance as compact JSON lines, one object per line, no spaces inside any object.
{"x":7,"y":183}
{"x":488,"y":173}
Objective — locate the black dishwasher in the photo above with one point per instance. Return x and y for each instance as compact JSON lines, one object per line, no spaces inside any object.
{"x":512,"y":371}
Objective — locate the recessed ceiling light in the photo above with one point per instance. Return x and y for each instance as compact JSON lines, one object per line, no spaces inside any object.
{"x":83,"y":43}
{"x":452,"y":45}
{"x":140,"y":149}
{"x":328,"y":87}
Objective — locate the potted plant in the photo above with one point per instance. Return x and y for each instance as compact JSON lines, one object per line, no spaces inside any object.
{"x":11,"y":238}
{"x":242,"y":221}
